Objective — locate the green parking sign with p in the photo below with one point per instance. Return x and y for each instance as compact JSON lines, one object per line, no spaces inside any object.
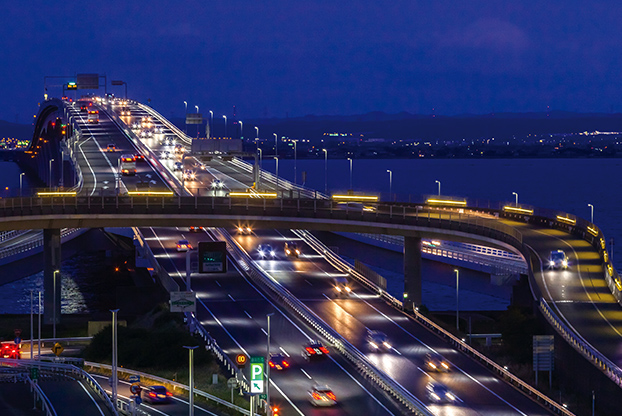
{"x":257,"y":371}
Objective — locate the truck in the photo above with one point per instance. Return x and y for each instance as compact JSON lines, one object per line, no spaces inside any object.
{"x":93,"y":117}
{"x":128,"y":165}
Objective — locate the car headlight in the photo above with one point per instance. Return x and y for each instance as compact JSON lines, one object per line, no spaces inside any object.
{"x":386,"y":345}
{"x":272,"y":253}
{"x":373,"y":344}
{"x":551,"y":263}
{"x":337,"y":288}
{"x":565,"y":263}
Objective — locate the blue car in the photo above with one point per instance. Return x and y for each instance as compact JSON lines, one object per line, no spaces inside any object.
{"x":157,"y":394}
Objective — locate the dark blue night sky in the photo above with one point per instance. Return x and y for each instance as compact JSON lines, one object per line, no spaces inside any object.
{"x":321,"y":57}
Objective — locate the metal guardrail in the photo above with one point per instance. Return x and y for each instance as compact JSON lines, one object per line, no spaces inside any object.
{"x":176,"y":131}
{"x":360,"y":361}
{"x":64,"y":369}
{"x":344,"y":267}
{"x":46,"y":405}
{"x":159,"y":380}
{"x":38,"y":242}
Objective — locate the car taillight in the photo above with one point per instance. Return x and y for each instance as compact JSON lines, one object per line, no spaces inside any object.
{"x":310,"y":350}
{"x":285,"y":364}
{"x":152,"y":394}
{"x":168,"y":393}
{"x":316,"y":396}
{"x":324,"y":350}
{"x":331,"y":396}
{"x":271,"y":364}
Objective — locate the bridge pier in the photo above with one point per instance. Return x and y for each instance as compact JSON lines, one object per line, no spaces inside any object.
{"x":412,"y":271}
{"x":51,"y":268}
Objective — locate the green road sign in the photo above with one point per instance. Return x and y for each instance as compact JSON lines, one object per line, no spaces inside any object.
{"x":34,"y":373}
{"x":263,"y":397}
{"x":257,"y":370}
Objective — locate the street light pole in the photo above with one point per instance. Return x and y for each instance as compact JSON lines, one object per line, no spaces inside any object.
{"x":591,"y":213}
{"x":268,"y":367}
{"x":516,"y":196}
{"x":20,"y":183}
{"x":350,"y":159}
{"x":325,"y":171}
{"x":276,"y":145}
{"x":439,"y":187}
{"x":225,"y":117}
{"x":54,"y":325}
{"x":295,"y":163}
{"x":51,"y":160}
{"x":390,"y":183}
{"x":191,"y":377}
{"x":115,"y":375}
{"x":197,"y":107}
{"x":211,"y":122}
{"x":457,"y":298}
{"x":185,"y":117}
{"x":32,"y":329}
{"x":241,"y":130}
{"x":277,"y":175}
{"x":257,"y":136}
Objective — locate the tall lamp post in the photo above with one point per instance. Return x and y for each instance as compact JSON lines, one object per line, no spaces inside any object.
{"x":191,"y":377}
{"x":268,"y":367}
{"x":390,"y":183}
{"x":439,"y":187}
{"x":350,"y":159}
{"x":516,"y":197}
{"x":295,"y":163}
{"x":457,"y":298}
{"x":591,"y":213}
{"x":54,"y":324}
{"x":211,"y":122}
{"x":225,"y":117}
{"x":257,"y":134}
{"x":20,"y":183}
{"x":197,"y":107}
{"x":325,"y":171}
{"x":276,"y":145}
{"x":277,"y":175}
{"x":51,"y":160}
{"x":115,"y":375}
{"x":185,"y":118}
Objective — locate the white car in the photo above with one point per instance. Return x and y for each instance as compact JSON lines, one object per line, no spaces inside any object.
{"x":183,"y":245}
{"x":322,"y":395}
{"x":558,"y":260}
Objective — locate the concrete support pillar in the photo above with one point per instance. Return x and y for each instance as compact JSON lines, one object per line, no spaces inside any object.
{"x":51,"y":263}
{"x":412,"y":271}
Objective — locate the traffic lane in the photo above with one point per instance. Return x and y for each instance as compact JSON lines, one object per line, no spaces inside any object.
{"x":247,"y":334}
{"x":177,"y":407}
{"x":16,"y":399}
{"x":83,"y":400}
{"x":353,"y":317}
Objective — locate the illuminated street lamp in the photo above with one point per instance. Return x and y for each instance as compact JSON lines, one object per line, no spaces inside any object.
{"x":51,"y":160}
{"x":225,"y":117}
{"x":325,"y":171}
{"x":211,"y":121}
{"x":350,"y":159}
{"x":295,"y":163}
{"x":241,"y":127}
{"x":439,"y":187}
{"x":277,"y":174}
{"x":591,"y":213}
{"x":185,"y":117}
{"x":20,"y":183}
{"x":197,"y":107}
{"x":276,"y":151}
{"x":457,"y":298}
{"x":390,"y":183}
{"x":516,"y":195}
{"x":257,"y":137}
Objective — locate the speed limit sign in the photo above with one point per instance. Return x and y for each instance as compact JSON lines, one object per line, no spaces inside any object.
{"x":135,"y":388}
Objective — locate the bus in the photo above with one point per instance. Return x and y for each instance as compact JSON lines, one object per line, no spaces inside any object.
{"x":93,"y":116}
{"x":128,"y":165}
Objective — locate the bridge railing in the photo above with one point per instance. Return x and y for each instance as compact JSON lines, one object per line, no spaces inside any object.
{"x":360,"y":361}
{"x":40,"y":396}
{"x":344,"y":267}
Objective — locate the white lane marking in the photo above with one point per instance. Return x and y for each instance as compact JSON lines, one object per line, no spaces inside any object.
{"x":454,"y":365}
{"x":580,"y":280}
{"x":310,"y":284}
{"x":218,"y":283}
{"x":306,"y":374}
{"x":286,"y":398}
{"x":231,"y":297}
{"x":264,"y":331}
{"x":309,"y":338}
{"x":284,"y":352}
{"x":248,"y":314}
{"x":92,"y":398}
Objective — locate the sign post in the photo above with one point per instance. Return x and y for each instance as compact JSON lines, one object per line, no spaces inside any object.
{"x":57,"y":349}
{"x":257,"y":371}
{"x":212,"y":257}
{"x":232,"y":383}
{"x":183,"y":302}
{"x":543,"y":355}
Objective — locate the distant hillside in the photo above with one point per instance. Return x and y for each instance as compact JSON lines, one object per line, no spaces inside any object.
{"x":13,"y":130}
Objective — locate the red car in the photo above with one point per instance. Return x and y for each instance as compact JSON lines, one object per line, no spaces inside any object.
{"x":11,"y":350}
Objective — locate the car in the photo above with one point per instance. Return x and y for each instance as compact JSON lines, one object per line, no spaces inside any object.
{"x":125,"y":112}
{"x":341,"y":286}
{"x":195,"y":229}
{"x":156,"y":394}
{"x":166,"y":155}
{"x":558,"y":260}
{"x":189,"y":175}
{"x":84,"y":107}
{"x":279,"y":362}
{"x":139,"y":157}
{"x":436,"y":362}
{"x":291,"y":249}
{"x":10,"y":350}
{"x":183,"y":245}
{"x":179,"y":148}
{"x":439,"y":393}
{"x":111,"y":147}
{"x":322,"y":396}
{"x":266,"y":250}
{"x":217,"y":184}
{"x":314,"y":350}
{"x":378,"y":341}
{"x":245,"y":230}
{"x":178,"y":166}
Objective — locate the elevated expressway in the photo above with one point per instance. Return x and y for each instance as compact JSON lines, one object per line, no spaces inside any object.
{"x":528,"y":233}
